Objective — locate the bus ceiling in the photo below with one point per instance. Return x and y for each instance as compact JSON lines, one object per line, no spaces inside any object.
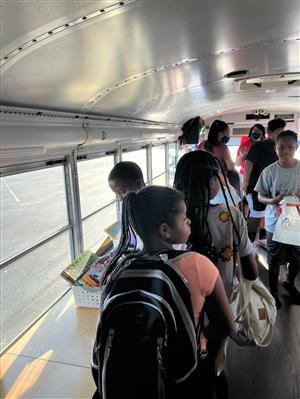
{"x":160,"y":62}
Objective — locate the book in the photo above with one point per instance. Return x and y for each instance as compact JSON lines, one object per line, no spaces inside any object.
{"x":114,"y":230}
{"x":79,"y":265}
{"x":105,"y":246}
{"x":92,"y":276}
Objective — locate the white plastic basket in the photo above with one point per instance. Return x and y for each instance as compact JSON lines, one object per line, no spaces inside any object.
{"x":86,"y":297}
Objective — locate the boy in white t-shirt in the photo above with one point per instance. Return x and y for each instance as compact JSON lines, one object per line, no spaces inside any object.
{"x":275,"y":182}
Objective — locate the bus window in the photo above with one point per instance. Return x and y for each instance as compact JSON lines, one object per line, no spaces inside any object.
{"x":159,"y":164}
{"x":27,"y":201}
{"x":233,"y":147}
{"x":93,"y":227}
{"x":32,"y":283}
{"x":35,"y":246}
{"x":172,"y":162}
{"x":139,"y":157}
{"x":160,"y":180}
{"x":98,"y":202}
{"x":93,"y":185}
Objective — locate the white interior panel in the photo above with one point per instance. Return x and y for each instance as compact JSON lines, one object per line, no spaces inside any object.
{"x":163,"y":61}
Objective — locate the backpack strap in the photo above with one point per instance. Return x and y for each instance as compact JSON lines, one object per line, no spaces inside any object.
{"x":202,"y":353}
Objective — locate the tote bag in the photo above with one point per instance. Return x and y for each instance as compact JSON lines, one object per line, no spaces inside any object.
{"x":254,"y":312}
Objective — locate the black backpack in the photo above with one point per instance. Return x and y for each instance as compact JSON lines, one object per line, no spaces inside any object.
{"x":146,"y":341}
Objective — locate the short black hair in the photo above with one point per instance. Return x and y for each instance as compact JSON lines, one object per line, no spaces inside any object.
{"x":287,"y":133}
{"x":275,"y":124}
{"x":150,"y":207}
{"x":127,"y":171}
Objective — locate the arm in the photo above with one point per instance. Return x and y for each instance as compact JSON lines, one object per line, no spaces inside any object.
{"x":228,"y":160}
{"x":219,"y":313}
{"x":270,"y":201}
{"x":264,"y":186}
{"x":241,"y":155}
{"x":253,"y":156}
{"x":249,"y":267}
{"x":247,"y":172}
{"x":245,"y":247}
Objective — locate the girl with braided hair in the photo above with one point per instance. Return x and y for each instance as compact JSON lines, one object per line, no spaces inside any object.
{"x":216,"y":230}
{"x":158,"y":216}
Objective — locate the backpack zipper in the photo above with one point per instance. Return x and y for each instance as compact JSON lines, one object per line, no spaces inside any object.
{"x":153,"y":296}
{"x":108,"y":345}
{"x":160,"y":369}
{"x":189,"y":325}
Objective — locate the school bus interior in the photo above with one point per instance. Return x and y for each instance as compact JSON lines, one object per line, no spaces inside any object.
{"x":85,"y":84}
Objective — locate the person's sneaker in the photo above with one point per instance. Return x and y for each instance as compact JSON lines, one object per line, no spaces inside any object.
{"x":292,"y":290}
{"x":277,"y":301}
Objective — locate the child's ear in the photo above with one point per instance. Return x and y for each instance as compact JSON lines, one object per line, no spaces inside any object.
{"x":164,"y":230}
{"x":139,"y":184}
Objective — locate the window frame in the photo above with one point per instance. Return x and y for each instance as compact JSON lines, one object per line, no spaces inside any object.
{"x":70,"y":163}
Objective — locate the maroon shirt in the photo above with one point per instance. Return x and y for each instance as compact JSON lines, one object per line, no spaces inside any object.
{"x":219,"y":151}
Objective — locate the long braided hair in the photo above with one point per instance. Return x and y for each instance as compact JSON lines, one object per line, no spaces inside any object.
{"x":193,"y":176}
{"x":142,"y":214}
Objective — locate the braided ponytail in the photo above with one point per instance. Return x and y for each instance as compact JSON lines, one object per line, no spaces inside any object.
{"x":114,"y":265}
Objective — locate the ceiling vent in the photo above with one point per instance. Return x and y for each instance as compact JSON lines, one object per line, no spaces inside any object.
{"x":269,"y":81}
{"x":286,"y":117}
{"x":240,"y":131}
{"x":236,"y":74}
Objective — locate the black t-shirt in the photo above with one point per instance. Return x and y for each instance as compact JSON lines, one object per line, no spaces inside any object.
{"x":262,"y":154}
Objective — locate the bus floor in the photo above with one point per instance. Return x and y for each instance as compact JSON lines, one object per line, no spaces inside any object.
{"x":52,"y":359}
{"x":271,"y":372}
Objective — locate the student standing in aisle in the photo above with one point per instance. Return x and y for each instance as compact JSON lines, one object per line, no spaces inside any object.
{"x":260,"y":155}
{"x":216,"y":143}
{"x":158,"y":215}
{"x":216,"y":231}
{"x":275,"y":182}
{"x":256,"y":133}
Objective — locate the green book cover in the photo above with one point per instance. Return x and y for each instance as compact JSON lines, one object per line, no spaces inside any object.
{"x":79,"y":265}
